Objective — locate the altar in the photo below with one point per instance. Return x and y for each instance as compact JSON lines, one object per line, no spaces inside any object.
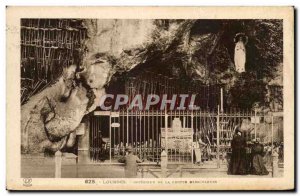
{"x":177,"y":138}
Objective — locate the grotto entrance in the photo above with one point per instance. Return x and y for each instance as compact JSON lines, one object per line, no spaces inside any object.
{"x":145,"y":130}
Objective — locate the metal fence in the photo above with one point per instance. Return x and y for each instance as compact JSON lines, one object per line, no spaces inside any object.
{"x":146,"y":132}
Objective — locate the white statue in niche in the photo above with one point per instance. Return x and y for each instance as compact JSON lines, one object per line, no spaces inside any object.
{"x":176,"y":124}
{"x":240,"y":52}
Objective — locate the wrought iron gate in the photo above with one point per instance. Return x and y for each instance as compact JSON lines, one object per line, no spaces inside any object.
{"x":145,"y":132}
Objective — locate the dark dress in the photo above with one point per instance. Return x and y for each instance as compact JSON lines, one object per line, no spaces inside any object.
{"x":237,"y":164}
{"x":258,"y":166}
{"x":249,"y":158}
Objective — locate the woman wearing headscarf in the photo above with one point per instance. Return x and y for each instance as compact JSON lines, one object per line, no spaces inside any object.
{"x":237,"y":165}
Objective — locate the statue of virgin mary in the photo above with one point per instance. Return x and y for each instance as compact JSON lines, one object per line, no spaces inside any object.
{"x":240,"y":52}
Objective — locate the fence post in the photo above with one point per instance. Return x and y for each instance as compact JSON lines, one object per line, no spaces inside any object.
{"x":274,"y":164}
{"x":58,"y":160}
{"x":110,"y":143}
{"x":164,"y":163}
{"x":218,"y":138}
{"x":166,"y":132}
{"x":272,"y":131}
{"x":181,"y":173}
{"x":255,"y":113}
{"x":192,"y":126}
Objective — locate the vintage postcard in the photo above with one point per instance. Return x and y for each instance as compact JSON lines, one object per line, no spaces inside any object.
{"x":150,"y":98}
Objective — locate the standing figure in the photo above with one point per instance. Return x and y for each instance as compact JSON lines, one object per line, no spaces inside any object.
{"x":280,"y":152}
{"x":258,"y":167}
{"x":240,"y":52}
{"x":131,"y":162}
{"x":199,"y":148}
{"x":200,"y":145}
{"x":237,"y":165}
{"x":100,"y":146}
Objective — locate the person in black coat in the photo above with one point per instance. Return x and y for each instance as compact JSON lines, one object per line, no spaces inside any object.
{"x":237,"y":165}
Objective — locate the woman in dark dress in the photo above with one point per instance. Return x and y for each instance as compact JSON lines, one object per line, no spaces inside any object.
{"x":237,"y":165}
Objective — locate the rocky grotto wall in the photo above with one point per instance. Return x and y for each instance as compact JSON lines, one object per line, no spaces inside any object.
{"x":49,"y":119}
{"x":192,"y":49}
{"x":114,"y":36}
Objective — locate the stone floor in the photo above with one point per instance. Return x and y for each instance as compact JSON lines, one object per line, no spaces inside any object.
{"x":41,"y":167}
